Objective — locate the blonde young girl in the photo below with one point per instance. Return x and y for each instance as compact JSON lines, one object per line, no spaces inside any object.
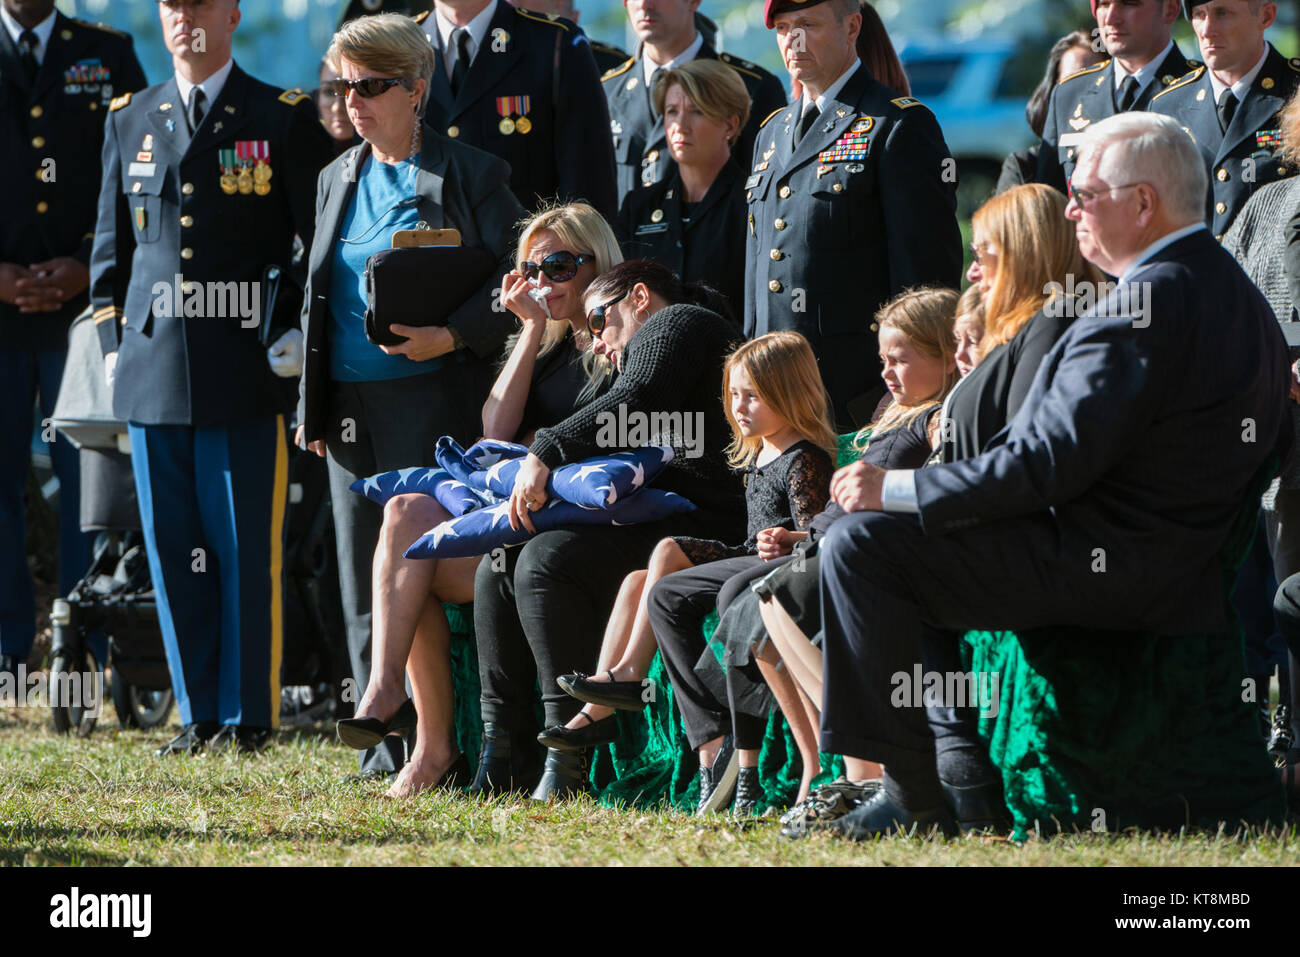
{"x":781,"y":439}
{"x":968,"y":329}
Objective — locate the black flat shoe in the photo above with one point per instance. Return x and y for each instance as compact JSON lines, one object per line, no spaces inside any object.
{"x":585,"y":736}
{"x":363,"y":733}
{"x":192,"y":739}
{"x":979,"y":809}
{"x":880,"y":817}
{"x":563,"y":776}
{"x":624,"y":695}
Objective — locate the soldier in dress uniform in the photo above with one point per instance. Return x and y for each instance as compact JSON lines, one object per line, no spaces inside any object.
{"x":607,"y":55}
{"x":1144,"y":60}
{"x":670,"y":37}
{"x":1231,"y":105}
{"x":57,"y":77}
{"x":206,"y":179}
{"x":525,"y":88}
{"x":852,"y":198}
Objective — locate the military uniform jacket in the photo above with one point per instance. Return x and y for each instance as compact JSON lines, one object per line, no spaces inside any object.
{"x":51,"y":135}
{"x":608,"y":57}
{"x":165,"y":216}
{"x":1249,"y":155}
{"x":1082,"y":99}
{"x":863,"y":208}
{"x":709,"y":248}
{"x":640,"y":143}
{"x":541,"y":70}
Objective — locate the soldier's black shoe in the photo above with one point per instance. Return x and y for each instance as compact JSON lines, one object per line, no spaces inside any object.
{"x":563,"y":776}
{"x":192,"y":739}
{"x":501,"y":767}
{"x":718,"y":781}
{"x":979,"y":808}
{"x":880,"y":817}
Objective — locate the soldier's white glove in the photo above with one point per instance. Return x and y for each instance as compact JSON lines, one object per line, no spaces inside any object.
{"x":110,"y":368}
{"x":286,"y":354}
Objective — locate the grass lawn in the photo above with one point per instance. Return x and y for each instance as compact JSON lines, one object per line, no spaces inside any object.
{"x":106,"y":801}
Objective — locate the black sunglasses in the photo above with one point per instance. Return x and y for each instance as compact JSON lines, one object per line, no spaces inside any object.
{"x":369,"y":87}
{"x":596,"y":320}
{"x":558,"y":267}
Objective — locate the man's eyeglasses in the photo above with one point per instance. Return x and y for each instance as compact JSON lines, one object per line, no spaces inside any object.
{"x":1083,"y":198}
{"x":596,"y":318}
{"x":371,"y":86}
{"x":557,"y":267}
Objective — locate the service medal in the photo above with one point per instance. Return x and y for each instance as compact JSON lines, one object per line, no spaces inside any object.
{"x":523,"y":124}
{"x":506,"y":126}
{"x":229,"y":182}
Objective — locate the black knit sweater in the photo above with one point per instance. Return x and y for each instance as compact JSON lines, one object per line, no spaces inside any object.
{"x":671,"y":378}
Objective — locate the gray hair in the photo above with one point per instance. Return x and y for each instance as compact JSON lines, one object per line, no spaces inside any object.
{"x":1154,"y":149}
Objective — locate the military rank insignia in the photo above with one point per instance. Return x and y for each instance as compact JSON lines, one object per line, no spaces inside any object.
{"x":1268,"y":140}
{"x":851,"y":146}
{"x":513,"y":111}
{"x":246,"y":168}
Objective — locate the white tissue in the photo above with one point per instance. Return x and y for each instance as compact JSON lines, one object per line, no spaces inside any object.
{"x":539,"y":294}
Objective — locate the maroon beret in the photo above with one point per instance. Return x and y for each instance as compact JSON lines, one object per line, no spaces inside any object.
{"x":772,"y":7}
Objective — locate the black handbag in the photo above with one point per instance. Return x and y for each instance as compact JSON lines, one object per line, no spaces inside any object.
{"x":420,"y":286}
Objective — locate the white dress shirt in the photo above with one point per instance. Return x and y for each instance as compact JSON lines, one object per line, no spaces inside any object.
{"x":43,"y":30}
{"x":1144,"y":76}
{"x":1242,"y":86}
{"x":650,"y":67}
{"x":211,"y":87}
{"x":477,"y":28}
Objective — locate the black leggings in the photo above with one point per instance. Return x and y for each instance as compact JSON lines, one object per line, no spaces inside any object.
{"x":678,"y":605}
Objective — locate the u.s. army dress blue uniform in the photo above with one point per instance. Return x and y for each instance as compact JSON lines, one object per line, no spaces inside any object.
{"x":531,"y":97}
{"x":51,"y":133}
{"x":863,"y":208}
{"x":640,"y":143}
{"x":1248,"y":156}
{"x":1082,"y":99}
{"x":206,"y":413}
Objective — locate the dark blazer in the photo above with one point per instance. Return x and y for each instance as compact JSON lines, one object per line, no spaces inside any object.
{"x":163,"y":214}
{"x":564,"y":154}
{"x":1141,"y":442}
{"x":1082,"y":99}
{"x":831,"y":238}
{"x":1249,"y":155}
{"x":711,"y":247}
{"x":51,"y":136}
{"x":640,"y":142}
{"x":1018,"y":169}
{"x":459,"y":187}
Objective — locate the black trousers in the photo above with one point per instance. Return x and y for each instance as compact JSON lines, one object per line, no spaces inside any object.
{"x":540,"y":610}
{"x":894,"y":599}
{"x":377,"y":427}
{"x":678,"y":605}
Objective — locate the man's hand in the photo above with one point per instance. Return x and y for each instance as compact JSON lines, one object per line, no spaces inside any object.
{"x":317,"y":445}
{"x":422,"y":342}
{"x":286,"y":354}
{"x":777,"y":541}
{"x":529,"y":492}
{"x":10,"y":274}
{"x":48,"y":285}
{"x":857,"y":487}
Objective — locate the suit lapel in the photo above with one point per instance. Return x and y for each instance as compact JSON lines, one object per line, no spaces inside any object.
{"x":429,"y":182}
{"x":340,"y":195}
{"x":833,"y":122}
{"x":225,"y":115}
{"x":11,"y":67}
{"x":440,"y":88}
{"x":168,"y":119}
{"x":1259,"y":106}
{"x":58,"y":53}
{"x":1172,"y":67}
{"x":489,"y":66}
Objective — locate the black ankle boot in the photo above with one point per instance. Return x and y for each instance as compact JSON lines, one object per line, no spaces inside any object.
{"x":497,"y":764}
{"x":979,"y":807}
{"x":748,"y":793}
{"x":564,"y":775}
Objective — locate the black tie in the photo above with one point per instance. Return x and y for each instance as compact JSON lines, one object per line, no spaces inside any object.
{"x":1227,"y":109}
{"x":1128,"y":91}
{"x":27,"y":53}
{"x":460,"y":37}
{"x":197,"y":108}
{"x":806,"y":122}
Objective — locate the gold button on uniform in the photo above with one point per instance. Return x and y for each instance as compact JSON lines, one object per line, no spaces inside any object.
{"x":1069,"y":154}
{"x":776,"y":254}
{"x":187,"y":188}
{"x":42,"y":206}
{"x":837,"y":187}
{"x":774,"y":285}
{"x":453,"y":131}
{"x":94,"y":106}
{"x":784,"y":192}
{"x":1222,"y":174}
{"x":38,"y":141}
{"x":40,"y":174}
{"x":779,"y":224}
{"x":1220,"y":208}
{"x":36,"y":112}
{"x":188,"y":287}
{"x":187,"y":253}
{"x":875,"y":327}
{"x":187,"y":221}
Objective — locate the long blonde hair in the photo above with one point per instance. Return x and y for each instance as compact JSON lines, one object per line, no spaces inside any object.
{"x":581,"y":230}
{"x":924,"y":317}
{"x":783,"y":370}
{"x":1036,"y":247}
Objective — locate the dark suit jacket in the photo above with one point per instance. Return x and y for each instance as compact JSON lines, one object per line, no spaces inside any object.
{"x":163,"y":215}
{"x":459,"y":187}
{"x":1082,"y":99}
{"x":1248,"y":156}
{"x":566,"y":152}
{"x":51,"y":135}
{"x":1141,"y":442}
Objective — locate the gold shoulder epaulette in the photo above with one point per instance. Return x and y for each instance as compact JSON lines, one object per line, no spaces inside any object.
{"x":1190,"y":78}
{"x":1085,"y":71}
{"x":741,"y":66}
{"x":772,"y":114}
{"x":906,"y":102}
{"x":117,"y":102}
{"x":421,"y":16}
{"x":621,"y":68}
{"x":292,"y":96}
{"x":98,"y":26}
{"x":542,"y":19}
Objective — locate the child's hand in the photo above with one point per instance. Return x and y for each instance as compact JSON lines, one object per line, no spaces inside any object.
{"x":776,"y":542}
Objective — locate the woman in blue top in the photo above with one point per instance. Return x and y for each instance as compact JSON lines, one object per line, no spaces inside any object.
{"x":368,"y":409}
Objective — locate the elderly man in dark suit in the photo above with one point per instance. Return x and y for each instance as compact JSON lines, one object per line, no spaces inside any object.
{"x":1103,"y":504}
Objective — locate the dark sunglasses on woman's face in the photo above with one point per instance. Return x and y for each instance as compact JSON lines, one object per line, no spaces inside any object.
{"x":369,"y":87}
{"x":558,"y":267}
{"x":596,"y":319}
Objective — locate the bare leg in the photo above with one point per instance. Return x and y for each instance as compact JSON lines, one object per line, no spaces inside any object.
{"x":399,"y":587}
{"x":802,"y":660}
{"x":790,"y":700}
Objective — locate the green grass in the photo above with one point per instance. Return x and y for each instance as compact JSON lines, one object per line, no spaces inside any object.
{"x":106,"y":801}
